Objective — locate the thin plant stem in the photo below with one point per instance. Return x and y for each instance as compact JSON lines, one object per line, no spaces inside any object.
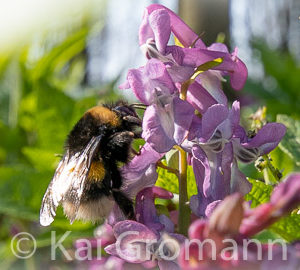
{"x":184,"y":210}
{"x":266,"y":176}
{"x":169,"y":169}
{"x":275,"y":172}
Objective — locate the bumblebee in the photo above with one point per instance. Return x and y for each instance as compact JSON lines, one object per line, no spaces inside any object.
{"x":87,"y":181}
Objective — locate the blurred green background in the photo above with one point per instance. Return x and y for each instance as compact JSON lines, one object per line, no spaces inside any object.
{"x":44,"y":90}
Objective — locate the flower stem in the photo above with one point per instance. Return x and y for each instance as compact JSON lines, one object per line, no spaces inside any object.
{"x":184,"y":210}
{"x":169,"y":169}
{"x":275,"y":172}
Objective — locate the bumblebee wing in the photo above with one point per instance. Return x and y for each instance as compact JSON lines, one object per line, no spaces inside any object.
{"x":52,"y":199}
{"x":68,"y":181}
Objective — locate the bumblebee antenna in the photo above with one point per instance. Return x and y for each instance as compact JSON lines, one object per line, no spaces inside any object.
{"x":139,"y":106}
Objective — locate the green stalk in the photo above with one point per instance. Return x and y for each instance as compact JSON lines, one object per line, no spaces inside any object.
{"x":30,"y":264}
{"x":275,"y":172}
{"x":266,"y":176}
{"x":184,"y":211}
{"x":15,"y":92}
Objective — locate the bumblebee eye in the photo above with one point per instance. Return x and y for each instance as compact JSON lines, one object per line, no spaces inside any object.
{"x":126,"y":111}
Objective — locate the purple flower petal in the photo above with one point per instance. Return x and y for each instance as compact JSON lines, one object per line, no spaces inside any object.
{"x":291,"y":260}
{"x":218,"y":126}
{"x":115,"y":216}
{"x":224,"y":185}
{"x":179,"y":73}
{"x":124,"y":85}
{"x":234,"y":114}
{"x":201,"y":169}
{"x":155,"y":26}
{"x":211,"y":81}
{"x":160,"y":24}
{"x":145,"y":207}
{"x":219,"y":182}
{"x":183,"y":116}
{"x":239,"y":75}
{"x":195,"y":130}
{"x":131,"y":237}
{"x":240,"y":134}
{"x":182,"y":31}
{"x":167,"y":123}
{"x":198,"y":204}
{"x":213,"y":181}
{"x":211,"y":207}
{"x":168,"y":224}
{"x":145,"y":30}
{"x":267,"y":138}
{"x":212,"y":118}
{"x":140,"y":172}
{"x":141,"y":162}
{"x":221,"y":47}
{"x":239,"y":182}
{"x":287,"y":193}
{"x":199,"y":97}
{"x":235,"y":68}
{"x":158,"y":129}
{"x":168,"y":265}
{"x":145,"y":81}
{"x":147,"y":178}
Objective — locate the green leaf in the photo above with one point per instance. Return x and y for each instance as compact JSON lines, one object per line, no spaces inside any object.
{"x":266,"y":235}
{"x":137,"y":144}
{"x":22,"y":188}
{"x":42,"y":160}
{"x":279,"y":89}
{"x":260,"y":193}
{"x":10,"y":208}
{"x":282,"y":161}
{"x":288,"y":227}
{"x":44,"y":240}
{"x":290,"y":144}
{"x":60,"y":55}
{"x":169,"y":181}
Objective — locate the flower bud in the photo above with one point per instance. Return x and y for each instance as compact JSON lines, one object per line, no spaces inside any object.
{"x":227,"y":217}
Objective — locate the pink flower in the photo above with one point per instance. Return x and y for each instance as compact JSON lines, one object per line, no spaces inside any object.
{"x":233,"y":220}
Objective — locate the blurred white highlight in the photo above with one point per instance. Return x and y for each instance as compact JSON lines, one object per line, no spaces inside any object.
{"x":20,"y":20}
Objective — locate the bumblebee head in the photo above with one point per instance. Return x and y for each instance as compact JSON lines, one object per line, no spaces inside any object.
{"x":127,"y":114}
{"x":125,"y":110}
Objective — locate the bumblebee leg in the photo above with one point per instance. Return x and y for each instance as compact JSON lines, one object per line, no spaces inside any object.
{"x":116,"y":178}
{"x":121,"y":139}
{"x":137,"y":134}
{"x":124,"y":203}
{"x":121,"y":199}
{"x":119,"y":145}
{"x":133,"y":120}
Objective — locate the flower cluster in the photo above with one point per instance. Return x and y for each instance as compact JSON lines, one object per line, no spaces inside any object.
{"x":187,"y":107}
{"x":181,"y":86}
